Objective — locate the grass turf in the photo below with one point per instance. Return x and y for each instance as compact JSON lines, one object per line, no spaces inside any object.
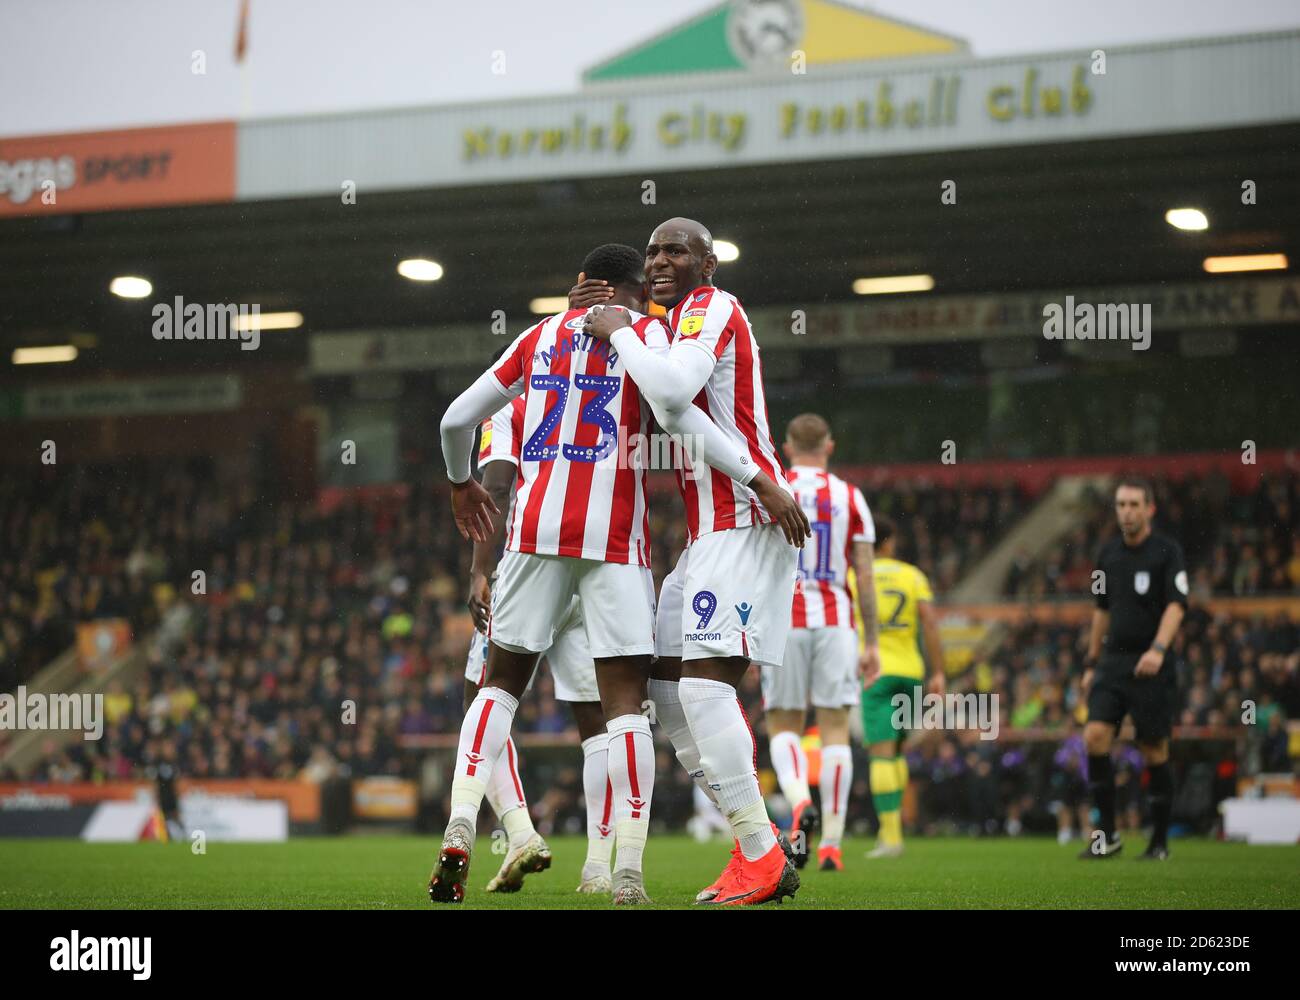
{"x":390,"y":872}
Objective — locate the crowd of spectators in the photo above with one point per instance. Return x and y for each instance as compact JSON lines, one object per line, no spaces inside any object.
{"x":309,"y":637}
{"x":945,"y":530}
{"x":288,"y":610}
{"x":1238,"y":682}
{"x":1236,"y":544}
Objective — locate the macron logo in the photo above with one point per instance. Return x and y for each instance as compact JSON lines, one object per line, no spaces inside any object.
{"x":102,"y":954}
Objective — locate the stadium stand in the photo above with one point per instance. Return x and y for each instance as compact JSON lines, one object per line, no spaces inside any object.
{"x":357,"y":597}
{"x":1236,"y":542}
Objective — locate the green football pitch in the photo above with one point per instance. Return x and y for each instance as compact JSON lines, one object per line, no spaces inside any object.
{"x":390,"y":872}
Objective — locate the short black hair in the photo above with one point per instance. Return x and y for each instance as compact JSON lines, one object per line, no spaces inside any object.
{"x":885,"y":527}
{"x":1138,"y":483}
{"x":617,"y":263}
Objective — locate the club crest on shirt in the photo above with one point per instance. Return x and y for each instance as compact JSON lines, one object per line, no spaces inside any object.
{"x":1142,"y":581}
{"x":692,"y":322}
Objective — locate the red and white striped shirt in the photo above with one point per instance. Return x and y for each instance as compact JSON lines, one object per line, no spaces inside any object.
{"x":733,"y":397}
{"x":577,"y":494}
{"x":501,"y":434}
{"x":499,"y":439}
{"x":839,"y":517}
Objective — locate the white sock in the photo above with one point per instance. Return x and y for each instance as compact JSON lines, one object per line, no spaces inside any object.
{"x":632,"y":778}
{"x":505,"y":794}
{"x":727,"y":755}
{"x":672,"y":719}
{"x":599,"y":795}
{"x":791,"y":766}
{"x":836,"y":780}
{"x":483,"y":735}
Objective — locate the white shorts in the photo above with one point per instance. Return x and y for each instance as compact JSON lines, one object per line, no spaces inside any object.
{"x":570,"y":664}
{"x":730,"y":594}
{"x":533,"y":596}
{"x":820,"y":669}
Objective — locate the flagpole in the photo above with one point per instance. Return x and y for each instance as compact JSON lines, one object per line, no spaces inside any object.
{"x":241,"y":57}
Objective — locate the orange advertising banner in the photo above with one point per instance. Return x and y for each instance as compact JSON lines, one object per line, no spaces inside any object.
{"x":384,"y":798}
{"x":130,"y":168}
{"x":301,"y":797}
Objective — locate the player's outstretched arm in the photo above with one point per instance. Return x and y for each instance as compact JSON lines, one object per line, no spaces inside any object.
{"x":705,"y":443}
{"x":466,"y":412}
{"x":471,"y":506}
{"x":669,"y":379}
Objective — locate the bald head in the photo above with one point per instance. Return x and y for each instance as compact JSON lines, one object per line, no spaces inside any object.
{"x":693,"y":233}
{"x":678,"y":259}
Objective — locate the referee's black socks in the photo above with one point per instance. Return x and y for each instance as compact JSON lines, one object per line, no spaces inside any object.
{"x":1101,"y":786}
{"x":1160,"y":793}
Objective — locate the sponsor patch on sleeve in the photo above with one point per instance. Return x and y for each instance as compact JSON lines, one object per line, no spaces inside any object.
{"x":691,"y":323}
{"x":485,"y":437}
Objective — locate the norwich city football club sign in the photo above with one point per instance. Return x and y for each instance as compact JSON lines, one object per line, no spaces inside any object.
{"x":874,"y":86}
{"x":747,"y":35}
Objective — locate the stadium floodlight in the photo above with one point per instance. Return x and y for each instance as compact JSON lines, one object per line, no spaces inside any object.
{"x":893,"y":284}
{"x":1190,"y":219}
{"x":130,"y":287}
{"x":420,"y":269}
{"x":726,"y":251}
{"x":52,"y":354}
{"x":268,"y":321}
{"x":1246,"y":262}
{"x":547,"y":305}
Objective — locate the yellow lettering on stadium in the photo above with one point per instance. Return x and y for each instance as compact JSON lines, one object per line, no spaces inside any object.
{"x":935,"y":105}
{"x":577,"y":135}
{"x":999,"y":103}
{"x":725,"y":130}
{"x":789,"y":117}
{"x":669,"y":129}
{"x":477,"y":143}
{"x":1005,"y":102}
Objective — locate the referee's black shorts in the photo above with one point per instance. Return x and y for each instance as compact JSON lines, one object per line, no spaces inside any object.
{"x":1116,"y":691}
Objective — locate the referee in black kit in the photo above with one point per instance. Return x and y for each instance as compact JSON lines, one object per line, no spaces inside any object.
{"x":1140,"y":604}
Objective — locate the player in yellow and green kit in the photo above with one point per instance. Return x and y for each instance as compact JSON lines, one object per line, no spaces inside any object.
{"x":905,"y":613}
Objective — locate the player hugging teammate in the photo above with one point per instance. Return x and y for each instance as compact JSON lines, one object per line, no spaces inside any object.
{"x":579,"y":528}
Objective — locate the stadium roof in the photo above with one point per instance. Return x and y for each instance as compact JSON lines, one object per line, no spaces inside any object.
{"x":1042,"y":201}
